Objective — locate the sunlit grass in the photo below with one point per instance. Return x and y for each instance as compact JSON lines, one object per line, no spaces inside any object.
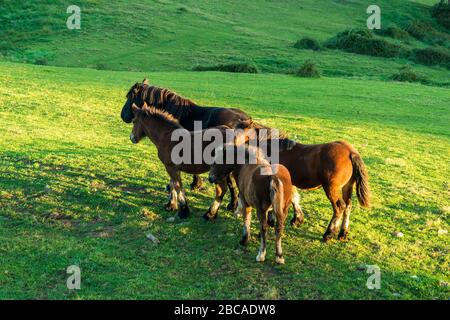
{"x":74,"y":190}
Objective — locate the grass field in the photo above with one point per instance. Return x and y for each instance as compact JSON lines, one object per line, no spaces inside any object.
{"x":74,"y":190}
{"x":166,"y":35}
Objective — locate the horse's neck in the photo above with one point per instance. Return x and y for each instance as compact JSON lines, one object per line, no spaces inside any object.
{"x":157,"y":131}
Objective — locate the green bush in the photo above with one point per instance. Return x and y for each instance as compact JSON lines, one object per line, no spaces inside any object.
{"x":308,"y":70}
{"x":364,"y":42}
{"x":307,"y":43}
{"x":406,"y":74}
{"x":432,"y":56}
{"x":394,"y":32}
{"x":441,"y":12}
{"x":425,"y":32}
{"x":233,"y":67}
{"x":41,"y":62}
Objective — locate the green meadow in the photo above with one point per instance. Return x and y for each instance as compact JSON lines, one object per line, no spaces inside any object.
{"x":75,"y":191}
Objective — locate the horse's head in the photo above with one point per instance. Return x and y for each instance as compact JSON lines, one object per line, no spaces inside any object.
{"x":134,"y":95}
{"x":138,"y":132}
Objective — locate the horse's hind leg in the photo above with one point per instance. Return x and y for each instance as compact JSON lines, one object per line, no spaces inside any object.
{"x":247,"y":215}
{"x":221,"y":189}
{"x":233,"y":193}
{"x":338,"y":205}
{"x":279,"y":233}
{"x":299,"y":217}
{"x":347,"y":195}
{"x":262,"y":215}
{"x":196,"y":183}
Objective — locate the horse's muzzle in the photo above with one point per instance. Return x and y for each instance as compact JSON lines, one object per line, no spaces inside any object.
{"x":132,"y":138}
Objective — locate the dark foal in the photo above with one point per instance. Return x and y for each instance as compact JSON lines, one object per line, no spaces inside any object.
{"x":159,"y":126}
{"x":336,"y":167}
{"x":259,"y":188}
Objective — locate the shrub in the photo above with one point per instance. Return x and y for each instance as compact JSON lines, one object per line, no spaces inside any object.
{"x":406,"y":74}
{"x":441,"y":11}
{"x":308,"y":70}
{"x":41,"y":62}
{"x":394,"y":32}
{"x":307,"y":43}
{"x":427,"y":33}
{"x":432,"y":56}
{"x":364,"y":42}
{"x":234,"y":67}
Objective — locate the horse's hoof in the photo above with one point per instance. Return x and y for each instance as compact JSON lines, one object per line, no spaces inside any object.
{"x":343,"y":236}
{"x":171,"y":207}
{"x":297,"y":222}
{"x":260,"y":257}
{"x":209,"y":217}
{"x":279,"y":260}
{"x":232,"y":207}
{"x":244,"y":242}
{"x":327,"y":237}
{"x":184,"y":213}
{"x":271,"y":220}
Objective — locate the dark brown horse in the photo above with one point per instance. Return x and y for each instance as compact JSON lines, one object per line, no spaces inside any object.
{"x":259,"y":188}
{"x":186,"y":112}
{"x":159,"y":126}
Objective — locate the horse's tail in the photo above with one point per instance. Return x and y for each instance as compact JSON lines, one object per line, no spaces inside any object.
{"x":277,"y":195}
{"x":362,"y":180}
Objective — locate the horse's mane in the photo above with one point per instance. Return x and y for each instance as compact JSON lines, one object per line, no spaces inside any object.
{"x":250,"y":152}
{"x":167,"y":100}
{"x":162,"y":116}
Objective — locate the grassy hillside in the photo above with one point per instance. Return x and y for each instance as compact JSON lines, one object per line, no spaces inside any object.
{"x":74,"y":190}
{"x":164,"y":35}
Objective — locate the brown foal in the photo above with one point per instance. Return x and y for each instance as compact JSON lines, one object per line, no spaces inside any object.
{"x":261,"y":188}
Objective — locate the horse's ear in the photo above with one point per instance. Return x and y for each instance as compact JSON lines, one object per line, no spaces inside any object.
{"x":145,"y":81}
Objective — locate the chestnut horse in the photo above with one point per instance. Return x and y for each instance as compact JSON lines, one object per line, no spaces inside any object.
{"x":335,"y":166}
{"x":259,"y":188}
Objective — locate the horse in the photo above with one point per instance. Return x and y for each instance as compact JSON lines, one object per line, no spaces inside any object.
{"x":337,"y":167}
{"x":159,"y":127}
{"x":259,"y":188}
{"x":186,"y":112}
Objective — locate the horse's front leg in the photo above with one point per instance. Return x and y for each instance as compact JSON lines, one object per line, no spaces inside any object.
{"x":177,"y":186}
{"x":172,"y":205}
{"x":221,"y":188}
{"x":196,"y":182}
{"x":234,"y":193}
